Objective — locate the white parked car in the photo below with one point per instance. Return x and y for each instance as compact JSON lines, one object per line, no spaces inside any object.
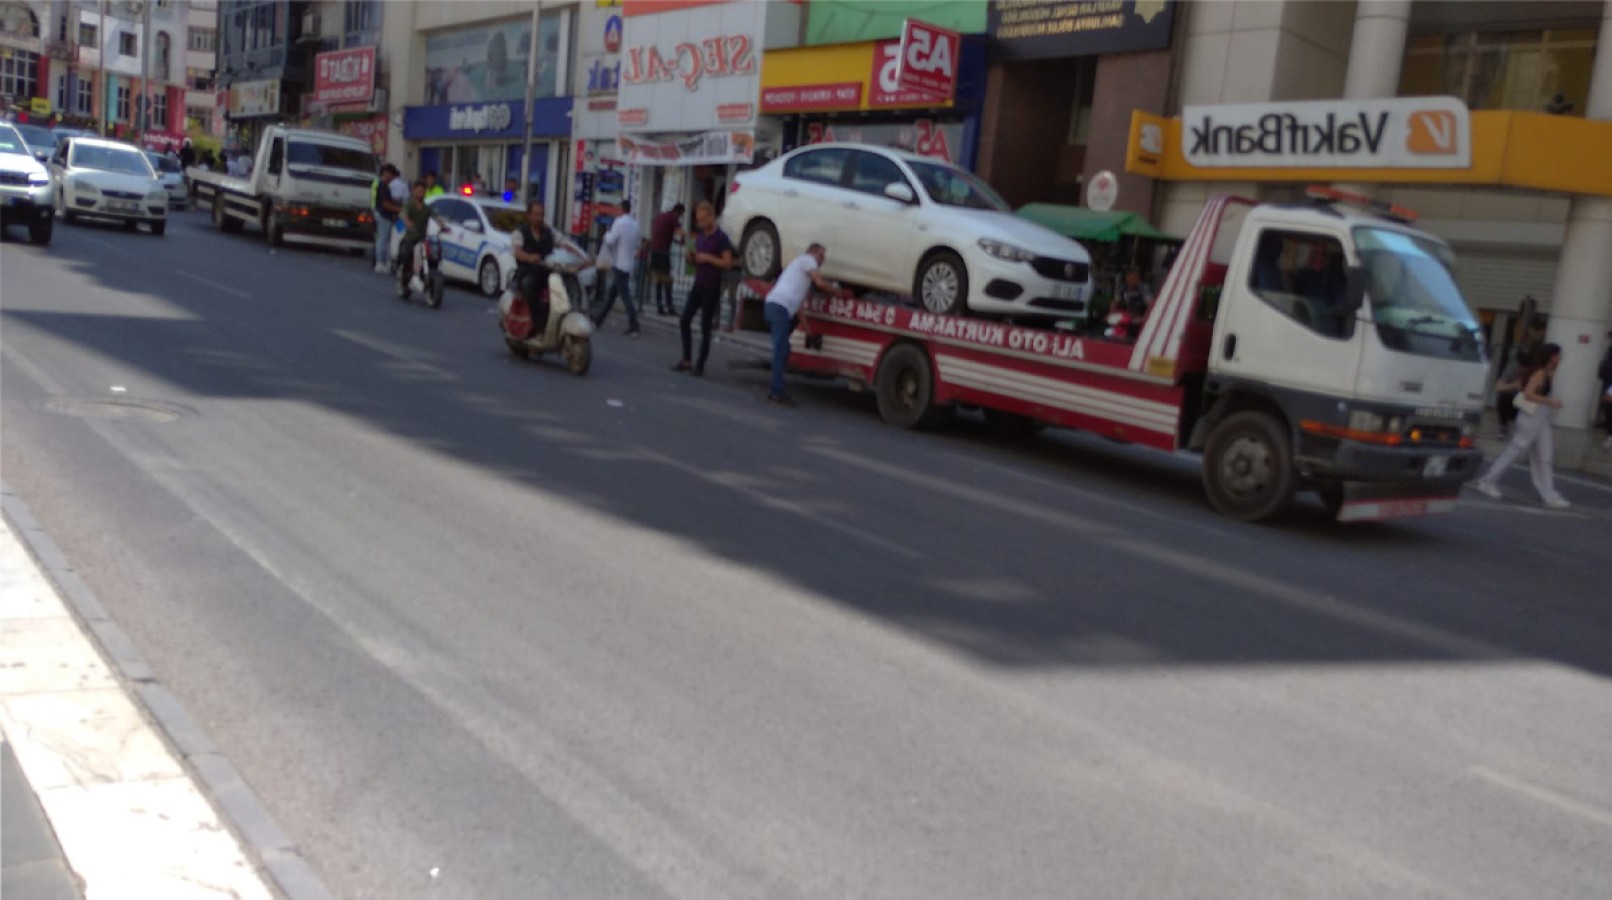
{"x":25,"y":193}
{"x":477,"y":243}
{"x":907,"y":224}
{"x":172,"y":176}
{"x":108,"y":180}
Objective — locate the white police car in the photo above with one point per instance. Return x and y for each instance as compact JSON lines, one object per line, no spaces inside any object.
{"x":477,"y":242}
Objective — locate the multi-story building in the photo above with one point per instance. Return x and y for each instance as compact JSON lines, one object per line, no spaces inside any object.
{"x":201,"y":68}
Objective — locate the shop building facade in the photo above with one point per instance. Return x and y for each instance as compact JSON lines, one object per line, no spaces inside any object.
{"x":1528,"y":212}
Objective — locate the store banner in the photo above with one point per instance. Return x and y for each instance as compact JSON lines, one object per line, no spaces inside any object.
{"x":886,"y":89}
{"x":249,"y":99}
{"x":1052,"y":29}
{"x":1402,"y":132}
{"x":927,"y":61}
{"x":344,"y":76}
{"x":371,"y":130}
{"x":811,"y":97}
{"x":691,"y":69}
{"x":704,"y":148}
{"x":488,"y":62}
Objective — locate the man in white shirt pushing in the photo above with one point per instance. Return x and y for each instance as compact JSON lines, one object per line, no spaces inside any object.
{"x":782,"y":311}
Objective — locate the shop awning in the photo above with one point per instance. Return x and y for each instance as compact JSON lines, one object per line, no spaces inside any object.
{"x":1084,"y":224}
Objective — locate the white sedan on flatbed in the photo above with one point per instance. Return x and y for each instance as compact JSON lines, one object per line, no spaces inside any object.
{"x":906,"y":224}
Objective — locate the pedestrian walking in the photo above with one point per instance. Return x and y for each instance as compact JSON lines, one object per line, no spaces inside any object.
{"x":1533,"y":434}
{"x":782,"y":311}
{"x":665,"y":228}
{"x":712,"y":254}
{"x":622,"y":243}
{"x":1509,"y":383}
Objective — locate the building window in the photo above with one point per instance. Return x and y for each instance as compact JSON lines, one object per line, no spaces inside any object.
{"x":121,"y":111}
{"x":86,"y":34}
{"x":128,"y":44}
{"x":85,"y":96}
{"x":361,"y":17}
{"x":159,"y":111}
{"x":200,"y":117}
{"x":205,"y":39}
{"x":19,"y":75}
{"x":1080,"y":105}
{"x":199,"y":79}
{"x":1541,"y":70}
{"x":18,"y":20}
{"x":164,"y":56}
{"x":61,"y":28}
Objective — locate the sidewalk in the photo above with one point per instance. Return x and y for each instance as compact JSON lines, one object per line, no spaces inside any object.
{"x":32,"y":865}
{"x":96,"y":805}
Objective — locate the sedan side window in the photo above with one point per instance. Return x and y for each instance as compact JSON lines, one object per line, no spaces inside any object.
{"x":822,"y":166}
{"x":1304,"y":276}
{"x":874,"y":173}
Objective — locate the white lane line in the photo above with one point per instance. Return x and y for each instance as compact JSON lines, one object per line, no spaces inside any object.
{"x":408,"y":357}
{"x":216,"y":286}
{"x":1548,"y":797}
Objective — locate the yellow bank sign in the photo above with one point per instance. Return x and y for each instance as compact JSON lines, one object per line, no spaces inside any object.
{"x":1400,"y":132}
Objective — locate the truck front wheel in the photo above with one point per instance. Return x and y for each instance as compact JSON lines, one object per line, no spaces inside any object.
{"x":905,"y":389}
{"x":1248,"y":467}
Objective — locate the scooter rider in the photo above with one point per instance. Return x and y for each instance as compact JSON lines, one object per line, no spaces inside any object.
{"x":417,"y":217}
{"x":533,"y":245}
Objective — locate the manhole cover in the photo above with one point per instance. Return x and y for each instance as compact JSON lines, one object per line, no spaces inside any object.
{"x":135,"y":410}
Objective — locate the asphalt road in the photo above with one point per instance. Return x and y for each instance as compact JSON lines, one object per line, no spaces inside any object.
{"x":644,"y":635}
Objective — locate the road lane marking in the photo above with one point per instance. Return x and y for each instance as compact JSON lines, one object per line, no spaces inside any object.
{"x":1192,"y":564}
{"x":1548,"y":797}
{"x":216,"y":286}
{"x":408,"y":357}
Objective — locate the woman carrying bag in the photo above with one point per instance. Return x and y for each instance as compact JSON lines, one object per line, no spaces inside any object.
{"x":1532,"y":434}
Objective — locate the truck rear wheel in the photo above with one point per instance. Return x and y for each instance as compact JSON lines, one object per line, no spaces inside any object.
{"x":905,"y":389}
{"x":1248,"y":467}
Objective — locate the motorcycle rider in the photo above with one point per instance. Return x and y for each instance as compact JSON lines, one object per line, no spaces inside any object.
{"x":417,"y":217}
{"x":533,"y":245}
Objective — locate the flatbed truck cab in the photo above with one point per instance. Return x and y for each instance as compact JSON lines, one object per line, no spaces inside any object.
{"x":1321,"y":346}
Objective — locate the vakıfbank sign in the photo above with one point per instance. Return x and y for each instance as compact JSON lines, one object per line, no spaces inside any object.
{"x":1397,"y":133}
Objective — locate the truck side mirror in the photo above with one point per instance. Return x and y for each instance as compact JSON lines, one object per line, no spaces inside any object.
{"x":1354,"y":295}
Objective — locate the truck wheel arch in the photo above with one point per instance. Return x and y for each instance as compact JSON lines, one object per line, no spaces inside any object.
{"x":906,"y":385}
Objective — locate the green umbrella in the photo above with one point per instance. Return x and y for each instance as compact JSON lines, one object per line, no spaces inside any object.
{"x":1084,"y":224}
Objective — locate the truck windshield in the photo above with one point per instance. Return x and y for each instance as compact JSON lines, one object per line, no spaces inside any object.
{"x":1414,"y":300}
{"x":305,"y":153}
{"x":950,"y":186}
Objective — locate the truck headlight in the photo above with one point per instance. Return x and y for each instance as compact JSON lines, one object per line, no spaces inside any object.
{"x":1003,"y":251}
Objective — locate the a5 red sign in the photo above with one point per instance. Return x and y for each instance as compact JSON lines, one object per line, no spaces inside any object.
{"x":928,"y":59}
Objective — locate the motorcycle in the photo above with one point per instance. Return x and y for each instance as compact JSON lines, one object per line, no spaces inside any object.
{"x":567,"y":329}
{"x":427,"y":272}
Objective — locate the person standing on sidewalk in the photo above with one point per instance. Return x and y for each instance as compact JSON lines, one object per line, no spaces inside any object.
{"x":665,"y":228}
{"x":782,"y":311}
{"x":387,"y":198}
{"x":622,"y":243}
{"x":712,"y":254}
{"x":1533,"y":435}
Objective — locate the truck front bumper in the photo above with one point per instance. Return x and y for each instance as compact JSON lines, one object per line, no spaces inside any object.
{"x":328,"y":227}
{"x":1360,"y":461}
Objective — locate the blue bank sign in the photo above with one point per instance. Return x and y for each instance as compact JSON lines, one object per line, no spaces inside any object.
{"x":551,"y":117}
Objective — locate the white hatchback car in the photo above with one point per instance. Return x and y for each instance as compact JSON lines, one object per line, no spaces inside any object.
{"x":108,"y":180}
{"x":477,"y":244}
{"x":902,"y":223}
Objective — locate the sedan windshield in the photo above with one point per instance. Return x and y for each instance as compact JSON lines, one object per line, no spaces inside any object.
{"x":11,"y":141}
{"x":1414,"y":300}
{"x":122,"y":160}
{"x":38,"y":138}
{"x":305,"y":153}
{"x":951,"y":186}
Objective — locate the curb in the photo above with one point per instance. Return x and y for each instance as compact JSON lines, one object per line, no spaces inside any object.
{"x":261,"y":838}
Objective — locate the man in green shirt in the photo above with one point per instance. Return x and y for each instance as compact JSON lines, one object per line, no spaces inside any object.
{"x":416,"y":218}
{"x":431,"y":187}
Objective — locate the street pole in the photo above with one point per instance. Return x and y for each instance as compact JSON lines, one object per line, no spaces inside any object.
{"x":531,"y":98}
{"x":144,"y":113}
{"x":100,"y":61}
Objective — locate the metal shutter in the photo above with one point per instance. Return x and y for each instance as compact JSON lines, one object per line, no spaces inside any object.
{"x":1492,"y":280}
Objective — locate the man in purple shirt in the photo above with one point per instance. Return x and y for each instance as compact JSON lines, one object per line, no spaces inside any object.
{"x":712,"y":254}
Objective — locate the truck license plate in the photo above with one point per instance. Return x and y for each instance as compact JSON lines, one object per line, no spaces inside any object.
{"x":333,"y":223}
{"x":1435,"y":466}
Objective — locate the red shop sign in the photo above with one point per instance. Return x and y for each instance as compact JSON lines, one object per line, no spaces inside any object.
{"x":884,"y":85}
{"x":344,"y":76}
{"x":928,"y":58}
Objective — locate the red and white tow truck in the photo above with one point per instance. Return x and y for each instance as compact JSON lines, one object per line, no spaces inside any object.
{"x":1317,"y":346}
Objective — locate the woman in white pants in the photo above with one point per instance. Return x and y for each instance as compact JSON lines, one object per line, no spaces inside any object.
{"x":1533,"y":431}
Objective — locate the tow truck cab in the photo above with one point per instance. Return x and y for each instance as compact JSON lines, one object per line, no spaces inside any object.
{"x":1337,"y":327}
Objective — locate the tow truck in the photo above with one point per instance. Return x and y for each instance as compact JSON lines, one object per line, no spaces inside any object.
{"x":1318,"y":346}
{"x":305,"y":185}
